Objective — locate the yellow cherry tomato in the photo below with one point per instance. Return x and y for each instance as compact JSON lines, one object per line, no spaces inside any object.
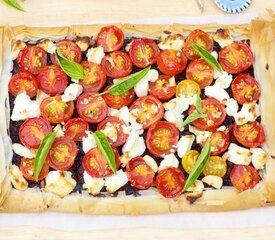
{"x":215,"y":166}
{"x":187,"y":88}
{"x":189,"y":160}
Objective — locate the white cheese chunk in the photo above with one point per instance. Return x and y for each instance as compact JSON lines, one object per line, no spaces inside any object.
{"x":151,"y":162}
{"x":23,"y":151}
{"x":238,"y":155}
{"x":83,"y":43}
{"x":217,"y":93}
{"x":40,"y":96}
{"x":58,"y":129}
{"x":47,"y":45}
{"x":72,"y":92}
{"x":142,"y":87}
{"x":223,"y":37}
{"x":174,"y":117}
{"x":16,"y":48}
{"x":95,"y":55}
{"x":185,"y":144}
{"x":258,"y":158}
{"x":94,"y":185}
{"x":17,"y":179}
{"x":89,"y":142}
{"x":201,"y":136}
{"x":122,"y":113}
{"x":172,"y":42}
{"x":169,"y":160}
{"x":249,"y":113}
{"x":110,"y":131}
{"x":231,"y":107}
{"x":224,"y":80}
{"x":172,"y":82}
{"x":127,"y":48}
{"x":197,"y":186}
{"x":116,"y":181}
{"x":213,"y":181}
{"x":215,"y":54}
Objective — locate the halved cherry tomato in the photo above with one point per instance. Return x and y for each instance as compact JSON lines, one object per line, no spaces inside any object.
{"x":244,"y":177}
{"x":249,"y":134}
{"x":201,"y":38}
{"x":170,"y":182}
{"x":117,"y":64}
{"x":201,"y":72}
{"x":161,"y":88}
{"x":119,"y":101}
{"x":62,"y":154}
{"x":187,"y":88}
{"x":95,"y":77}
{"x":215,"y":166}
{"x":96,"y":165}
{"x":92,"y":109}
{"x":171,"y":62}
{"x":143,"y":52}
{"x":111,"y":38}
{"x":33,"y":131}
{"x":215,"y":114}
{"x":162,"y":138}
{"x":52,"y":80}
{"x":189,"y":159}
{"x":148,"y":110}
{"x":236,"y":57}
{"x":139,"y":173}
{"x":27,"y":169}
{"x":55,"y":110}
{"x":245,"y":89}
{"x":75,"y":128}
{"x":32,"y":59}
{"x":23,"y":82}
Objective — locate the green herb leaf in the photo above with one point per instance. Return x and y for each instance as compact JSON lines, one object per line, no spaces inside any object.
{"x":192,"y":117}
{"x":42,"y":153}
{"x":207,"y":56}
{"x":199,"y":165}
{"x":198,"y":104}
{"x":14,"y":4}
{"x":106,"y":149}
{"x":71,"y":68}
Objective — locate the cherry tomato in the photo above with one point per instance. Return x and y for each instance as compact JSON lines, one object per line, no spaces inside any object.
{"x":236,"y":57}
{"x":244,"y":177}
{"x":201,"y":72}
{"x":187,"y":88}
{"x":33,"y":131}
{"x":92,"y":109}
{"x":23,"y":82}
{"x":75,"y":128}
{"x":52,"y":80}
{"x":249,"y":134}
{"x":111,"y":38}
{"x":148,"y":110}
{"x":189,"y":159}
{"x":55,"y":110}
{"x":215,"y":166}
{"x":170,"y":182}
{"x":27,"y":169}
{"x":162,"y":138}
{"x":32,"y":59}
{"x":245,"y":89}
{"x":139,"y":173}
{"x":201,"y":38}
{"x":117,"y":64}
{"x":143,"y":52}
{"x":171,"y":62}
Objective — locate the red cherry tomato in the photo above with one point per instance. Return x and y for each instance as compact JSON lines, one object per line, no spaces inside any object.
{"x":75,"y":129}
{"x":27,"y":169}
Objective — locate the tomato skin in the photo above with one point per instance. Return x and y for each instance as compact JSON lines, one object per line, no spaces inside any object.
{"x":143,"y":52}
{"x":23,"y":81}
{"x":171,"y":62}
{"x":27,"y":169}
{"x":244,"y":177}
{"x":32,"y":59}
{"x":170,"y":182}
{"x":139,"y":173}
{"x":245,"y":89}
{"x":250,"y":134}
{"x":75,"y":128}
{"x":33,"y":130}
{"x":187,"y":88}
{"x":215,"y":166}
{"x":52,"y":80}
{"x":189,"y":159}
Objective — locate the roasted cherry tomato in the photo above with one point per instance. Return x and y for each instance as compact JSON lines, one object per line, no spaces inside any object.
{"x":187,"y":88}
{"x":96,"y":165}
{"x":245,"y":89}
{"x":95,"y":77}
{"x":75,"y":128}
{"x":27,"y":169}
{"x":162,"y":138}
{"x":215,"y":114}
{"x":249,"y":134}
{"x":117,"y":64}
{"x":52,"y":80}
{"x":111,"y":38}
{"x":55,"y":110}
{"x":32,"y":59}
{"x":215,"y":166}
{"x":33,"y":131}
{"x":244,"y":177}
{"x":201,"y":72}
{"x":92,"y":109}
{"x":114,"y":126}
{"x":163,"y":88}
{"x":236,"y":57}
{"x":148,"y":110}
{"x":170,"y":182}
{"x":23,"y":82}
{"x":119,"y":101}
{"x":201,"y":38}
{"x":143,"y":52}
{"x":139,"y":173}
{"x":189,"y":159}
{"x":171,"y":62}
{"x":62,"y":154}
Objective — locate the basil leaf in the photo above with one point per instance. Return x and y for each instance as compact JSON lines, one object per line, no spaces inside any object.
{"x":42,"y":153}
{"x":199,"y":165}
{"x":192,"y":117}
{"x":198,"y":104}
{"x":207,"y":56}
{"x":71,"y":68}
{"x":14,"y":4}
{"x":106,"y":149}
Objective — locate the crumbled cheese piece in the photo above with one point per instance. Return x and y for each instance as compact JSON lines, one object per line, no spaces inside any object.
{"x":175,"y":41}
{"x":116,"y":181}
{"x":40,"y":96}
{"x":222,"y":128}
{"x":258,"y":158}
{"x":224,"y":80}
{"x":172,"y":82}
{"x":217,"y":93}
{"x":17,"y":179}
{"x":83,"y":43}
{"x":238,"y":155}
{"x":249,"y":113}
{"x":127,"y":48}
{"x":201,"y":136}
{"x":213,"y":181}
{"x":95,"y":55}
{"x":110,"y":131}
{"x":16,"y":48}
{"x":58,"y":129}
{"x":47,"y":45}
{"x":231,"y":107}
{"x":151,"y":162}
{"x":174,"y":117}
{"x":223,"y":37}
{"x":185,"y":144}
{"x":94,"y":185}
{"x":197,"y":186}
{"x":23,"y":151}
{"x":89,"y":142}
{"x":169,"y":161}
{"x":122,"y":113}
{"x":72,"y":92}
{"x":215,"y":54}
